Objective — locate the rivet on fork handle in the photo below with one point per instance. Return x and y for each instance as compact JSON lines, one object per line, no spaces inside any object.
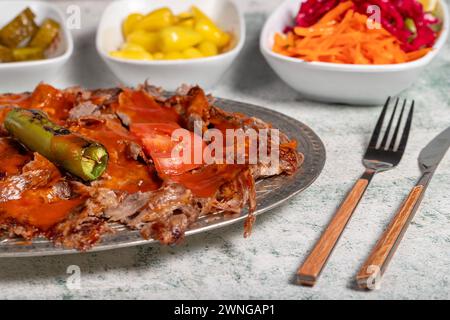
{"x":310,"y":271}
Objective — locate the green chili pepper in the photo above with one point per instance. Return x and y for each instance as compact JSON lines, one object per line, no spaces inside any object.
{"x":83,"y":158}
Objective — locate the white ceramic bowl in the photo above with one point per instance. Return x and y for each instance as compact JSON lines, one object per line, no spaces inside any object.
{"x":341,"y":83}
{"x":24,"y":76}
{"x":170,"y":74}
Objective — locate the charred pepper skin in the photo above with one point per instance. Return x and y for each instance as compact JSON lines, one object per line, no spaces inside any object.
{"x":81,"y":157}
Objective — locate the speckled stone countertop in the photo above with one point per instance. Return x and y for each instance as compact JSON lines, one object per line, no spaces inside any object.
{"x":222,"y":264}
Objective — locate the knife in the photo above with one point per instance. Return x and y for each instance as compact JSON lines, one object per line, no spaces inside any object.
{"x":370,"y":273}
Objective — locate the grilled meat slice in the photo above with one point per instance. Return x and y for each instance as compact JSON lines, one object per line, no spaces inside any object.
{"x":12,"y":157}
{"x":33,"y":202}
{"x":154,"y":212}
{"x":35,"y":174}
{"x":83,"y":109}
{"x":193,"y":107}
{"x":79,"y":230}
{"x":128,"y":207}
{"x":289,"y":158}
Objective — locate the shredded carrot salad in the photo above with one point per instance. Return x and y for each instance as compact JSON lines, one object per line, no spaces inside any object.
{"x":344,"y":36}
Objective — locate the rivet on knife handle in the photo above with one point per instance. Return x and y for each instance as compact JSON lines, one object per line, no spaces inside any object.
{"x":376,"y":264}
{"x":309,"y":272}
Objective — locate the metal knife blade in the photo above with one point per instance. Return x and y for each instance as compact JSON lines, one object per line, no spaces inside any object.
{"x":432,"y":154}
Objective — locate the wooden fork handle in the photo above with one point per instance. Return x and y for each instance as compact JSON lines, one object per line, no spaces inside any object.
{"x":376,"y":264}
{"x":309,"y":272}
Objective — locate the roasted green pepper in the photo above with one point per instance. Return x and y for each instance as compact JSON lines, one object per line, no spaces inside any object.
{"x":46,"y":34}
{"x":81,"y":157}
{"x":21,"y":28}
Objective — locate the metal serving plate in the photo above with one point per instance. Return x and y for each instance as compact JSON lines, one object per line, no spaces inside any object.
{"x":271,"y":192}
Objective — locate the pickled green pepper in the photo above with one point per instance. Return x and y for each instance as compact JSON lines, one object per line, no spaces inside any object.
{"x":81,"y":157}
{"x":27,"y":54}
{"x":48,"y":31}
{"x":5,"y":54}
{"x":21,"y":28}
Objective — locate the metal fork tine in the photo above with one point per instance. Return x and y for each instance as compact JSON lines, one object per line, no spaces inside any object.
{"x":383,"y":144}
{"x":397,"y":128}
{"x":376,"y":131}
{"x":405,"y":135}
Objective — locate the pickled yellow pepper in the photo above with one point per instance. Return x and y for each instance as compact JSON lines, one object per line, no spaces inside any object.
{"x":162,"y":35}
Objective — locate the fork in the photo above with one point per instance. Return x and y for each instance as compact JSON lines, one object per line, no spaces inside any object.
{"x":379,"y":157}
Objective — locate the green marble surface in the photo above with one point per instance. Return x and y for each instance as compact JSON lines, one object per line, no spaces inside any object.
{"x":222,"y":264}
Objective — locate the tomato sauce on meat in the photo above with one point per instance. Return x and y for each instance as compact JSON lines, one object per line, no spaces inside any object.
{"x":123,"y":173}
{"x":144,"y":185}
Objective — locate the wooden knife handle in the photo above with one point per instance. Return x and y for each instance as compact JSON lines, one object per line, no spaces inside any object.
{"x":376,"y":264}
{"x":310,"y":271}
